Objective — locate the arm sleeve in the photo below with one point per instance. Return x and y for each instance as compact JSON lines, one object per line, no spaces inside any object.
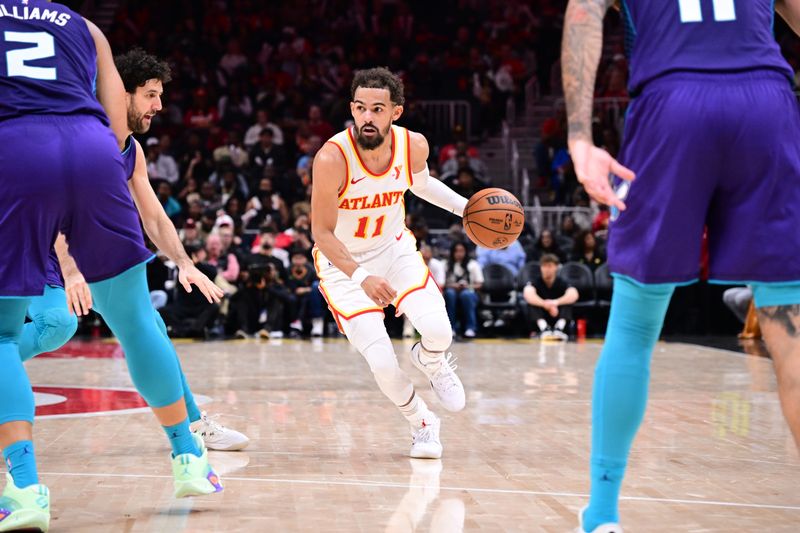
{"x":434,"y":191}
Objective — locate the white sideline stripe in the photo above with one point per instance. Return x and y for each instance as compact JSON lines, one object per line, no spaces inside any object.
{"x":359,"y":483}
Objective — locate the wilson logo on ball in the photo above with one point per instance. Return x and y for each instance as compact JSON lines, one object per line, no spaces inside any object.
{"x":495,"y":200}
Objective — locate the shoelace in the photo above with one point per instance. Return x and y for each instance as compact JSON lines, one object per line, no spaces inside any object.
{"x":425,"y":434}
{"x":210,"y":423}
{"x":445,"y":374}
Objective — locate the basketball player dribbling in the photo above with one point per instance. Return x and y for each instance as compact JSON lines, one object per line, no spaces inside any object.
{"x":713,"y":135}
{"x":366,"y":258}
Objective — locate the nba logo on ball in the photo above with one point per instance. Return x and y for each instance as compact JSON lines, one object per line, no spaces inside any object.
{"x":493,"y":218}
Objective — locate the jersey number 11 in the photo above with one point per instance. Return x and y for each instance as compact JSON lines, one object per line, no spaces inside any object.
{"x":724,"y":11}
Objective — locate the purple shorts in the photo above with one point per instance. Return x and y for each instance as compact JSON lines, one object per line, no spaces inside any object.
{"x":720,"y":151}
{"x":63,"y":173}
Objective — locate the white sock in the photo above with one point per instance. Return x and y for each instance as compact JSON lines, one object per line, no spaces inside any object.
{"x":560,"y":324}
{"x":416,"y":411}
{"x":542,"y":323}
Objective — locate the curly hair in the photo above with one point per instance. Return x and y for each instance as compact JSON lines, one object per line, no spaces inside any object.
{"x":137,"y":66}
{"x":379,"y":78}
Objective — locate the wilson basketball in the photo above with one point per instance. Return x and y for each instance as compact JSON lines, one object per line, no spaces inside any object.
{"x":493,"y":218}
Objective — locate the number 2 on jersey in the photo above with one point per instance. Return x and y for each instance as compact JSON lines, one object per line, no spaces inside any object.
{"x":15,"y":59}
{"x":363,"y":222}
{"x":724,"y":11}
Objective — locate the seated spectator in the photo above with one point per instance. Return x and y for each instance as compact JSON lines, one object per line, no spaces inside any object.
{"x":512,"y":257}
{"x":191,"y":315}
{"x":463,"y":277}
{"x":546,"y":245}
{"x":302,"y":282}
{"x":317,"y":125}
{"x":437,"y":270}
{"x":254,"y":310}
{"x":601,"y":221}
{"x":466,"y":184}
{"x":160,"y":166}
{"x":190,"y":236}
{"x":253,"y":133}
{"x":172,"y":207}
{"x":264,"y":247}
{"x":587,"y":252}
{"x":550,"y":300}
{"x":226,"y":264}
{"x":266,"y":153}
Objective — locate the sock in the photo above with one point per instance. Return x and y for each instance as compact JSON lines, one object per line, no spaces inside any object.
{"x":619,"y":397}
{"x":181,"y":439}
{"x":560,"y":324}
{"x":542,"y":323}
{"x":416,"y":410}
{"x":21,"y":462}
{"x":429,"y":357}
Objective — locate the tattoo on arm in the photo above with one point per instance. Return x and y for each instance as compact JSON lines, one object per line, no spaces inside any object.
{"x":581,"y":48}
{"x":787,"y":316}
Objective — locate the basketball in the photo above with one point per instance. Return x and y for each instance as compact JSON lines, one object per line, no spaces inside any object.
{"x":493,"y":218}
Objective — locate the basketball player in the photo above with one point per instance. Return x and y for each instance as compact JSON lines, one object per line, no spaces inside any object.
{"x":712,"y":136}
{"x":52,"y":322}
{"x":366,"y":258}
{"x":62,"y":170}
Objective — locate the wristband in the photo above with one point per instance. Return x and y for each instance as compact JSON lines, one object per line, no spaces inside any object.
{"x":359,"y":275}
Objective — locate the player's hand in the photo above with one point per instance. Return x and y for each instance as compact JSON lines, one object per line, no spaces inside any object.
{"x":379,"y":290}
{"x":189,"y":275}
{"x":593,"y":166}
{"x":79,"y":297}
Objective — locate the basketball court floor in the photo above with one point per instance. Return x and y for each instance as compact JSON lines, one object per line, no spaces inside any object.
{"x":328,"y":451}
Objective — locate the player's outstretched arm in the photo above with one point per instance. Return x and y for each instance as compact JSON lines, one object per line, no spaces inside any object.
{"x":79,"y":297}
{"x":110,"y":90}
{"x":329,"y":173}
{"x":789,"y":10}
{"x":431,"y":189}
{"x":162,"y":231}
{"x":580,"y":54}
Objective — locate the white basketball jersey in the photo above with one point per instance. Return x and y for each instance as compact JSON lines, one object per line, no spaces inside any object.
{"x":371,"y":206}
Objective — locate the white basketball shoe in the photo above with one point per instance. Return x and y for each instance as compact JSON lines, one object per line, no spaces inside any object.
{"x":425,"y":442}
{"x":218,"y":437}
{"x":443,"y":379}
{"x":608,"y":527}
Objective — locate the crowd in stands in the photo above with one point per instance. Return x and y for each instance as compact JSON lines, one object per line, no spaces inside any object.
{"x":258,"y":87}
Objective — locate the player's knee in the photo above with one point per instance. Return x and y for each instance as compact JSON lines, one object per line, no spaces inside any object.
{"x":392,"y":381}
{"x":436,"y":331}
{"x":57,"y":326}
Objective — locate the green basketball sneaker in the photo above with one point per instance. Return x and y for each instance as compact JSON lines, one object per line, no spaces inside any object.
{"x":27,"y":508}
{"x":193,"y":475}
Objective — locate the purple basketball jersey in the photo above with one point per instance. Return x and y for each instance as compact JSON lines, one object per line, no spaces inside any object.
{"x":48,"y":61}
{"x":665,"y":36}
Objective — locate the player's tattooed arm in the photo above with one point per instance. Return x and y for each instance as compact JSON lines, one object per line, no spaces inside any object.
{"x":581,"y":48}
{"x":786,"y":316}
{"x":789,"y":10}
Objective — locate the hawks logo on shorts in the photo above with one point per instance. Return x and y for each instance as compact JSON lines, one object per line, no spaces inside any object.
{"x":371,"y":206}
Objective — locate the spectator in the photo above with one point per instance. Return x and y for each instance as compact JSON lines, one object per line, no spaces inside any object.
{"x":303,"y":284}
{"x":601,"y":221}
{"x":550,"y":300}
{"x":466,"y":184}
{"x":161,"y":166}
{"x":317,"y":125}
{"x":191,"y":315}
{"x":546,"y":245}
{"x":254,"y":310}
{"x":586,"y":251}
{"x":436,"y":266}
{"x":226,"y":263}
{"x":464,"y":276}
{"x":201,"y":116}
{"x":266,"y":153}
{"x":264,"y":246}
{"x":164,"y":193}
{"x":253,"y":133}
{"x":512,"y":257}
{"x":190,"y":236}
